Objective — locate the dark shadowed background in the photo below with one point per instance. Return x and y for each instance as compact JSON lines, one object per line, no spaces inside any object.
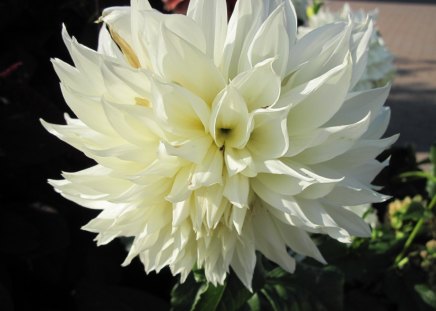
{"x":46,"y":261}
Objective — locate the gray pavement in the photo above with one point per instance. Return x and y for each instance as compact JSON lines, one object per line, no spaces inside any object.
{"x":409,"y":31}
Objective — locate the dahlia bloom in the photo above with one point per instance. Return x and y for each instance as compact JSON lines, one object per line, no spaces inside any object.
{"x":214,"y":140}
{"x":380,"y":68}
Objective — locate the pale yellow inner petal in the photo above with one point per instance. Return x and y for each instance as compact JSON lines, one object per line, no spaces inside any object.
{"x":142,"y":102}
{"x":126,"y":49}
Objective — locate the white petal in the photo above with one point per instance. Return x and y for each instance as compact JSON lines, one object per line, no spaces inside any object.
{"x":126,"y":125}
{"x":351,"y":192}
{"x":379,"y":124}
{"x":238,"y":217}
{"x":300,"y":93}
{"x":363,"y":151}
{"x":357,"y":105}
{"x":74,"y":79}
{"x":244,"y":22}
{"x":88,"y":109}
{"x":349,"y":221}
{"x":299,"y":241}
{"x":125,"y":84}
{"x":269,"y":139}
{"x":270,"y":242}
{"x":322,"y":104}
{"x":208,"y":204}
{"x":367,"y":172}
{"x":339,"y":141}
{"x":180,"y":189}
{"x":211,"y":16}
{"x":290,"y":21}
{"x":209,"y":171}
{"x":260,"y":86}
{"x":194,"y":149}
{"x":360,"y":53}
{"x":282,"y":184}
{"x":86,"y":60}
{"x":270,"y":41}
{"x":229,"y":120}
{"x":236,"y":190}
{"x":181,"y":211}
{"x":140,"y":5}
{"x":107,"y":46}
{"x":279,"y":167}
{"x":244,"y":259}
{"x":237,"y":160}
{"x":181,"y":113}
{"x":181,"y":62}
{"x":313,"y":44}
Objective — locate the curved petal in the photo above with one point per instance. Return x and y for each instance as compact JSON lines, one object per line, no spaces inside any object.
{"x":269,"y":138}
{"x":209,"y":171}
{"x":211,"y":16}
{"x":270,"y":41}
{"x":236,"y":190}
{"x":269,"y":240}
{"x":318,"y":107}
{"x":237,"y":160}
{"x":340,"y":139}
{"x":260,"y":86}
{"x":178,"y":111}
{"x":229,"y":120}
{"x":244,"y":258}
{"x":181,"y":62}
{"x":246,"y":18}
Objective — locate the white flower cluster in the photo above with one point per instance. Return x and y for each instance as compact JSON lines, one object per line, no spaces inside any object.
{"x":380,"y":68}
{"x":215,"y":139}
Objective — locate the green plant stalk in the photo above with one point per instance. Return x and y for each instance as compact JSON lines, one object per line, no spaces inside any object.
{"x":432,"y":203}
{"x":409,"y":241}
{"x":432,"y":183}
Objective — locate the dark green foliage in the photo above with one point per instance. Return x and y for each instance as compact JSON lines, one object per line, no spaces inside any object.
{"x":309,"y":288}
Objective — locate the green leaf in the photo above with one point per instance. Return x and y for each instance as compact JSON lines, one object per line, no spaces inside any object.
{"x":183,"y":295}
{"x":273,"y":299}
{"x":236,"y":294}
{"x":310,"y":288}
{"x":197,"y":294}
{"x":208,"y":297}
{"x":317,"y":6}
{"x":432,"y":203}
{"x":427,"y":294}
{"x":321,"y":286}
{"x":431,"y":186}
{"x":418,"y":174}
{"x":253,"y":303}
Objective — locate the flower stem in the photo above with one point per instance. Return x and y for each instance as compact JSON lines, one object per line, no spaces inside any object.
{"x":409,"y":241}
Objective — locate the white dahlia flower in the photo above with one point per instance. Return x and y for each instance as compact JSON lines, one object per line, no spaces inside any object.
{"x":380,"y":68}
{"x":214,"y":140}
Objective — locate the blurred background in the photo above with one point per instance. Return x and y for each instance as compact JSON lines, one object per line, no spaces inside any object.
{"x":46,"y":261}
